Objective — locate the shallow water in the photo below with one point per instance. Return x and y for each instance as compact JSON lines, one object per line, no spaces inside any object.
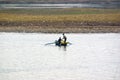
{"x":24,"y":56}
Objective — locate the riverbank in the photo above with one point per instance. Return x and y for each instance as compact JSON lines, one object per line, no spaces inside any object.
{"x":72,"y":20}
{"x":65,"y":29}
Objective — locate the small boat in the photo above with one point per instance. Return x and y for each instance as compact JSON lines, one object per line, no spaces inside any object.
{"x":62,"y":43}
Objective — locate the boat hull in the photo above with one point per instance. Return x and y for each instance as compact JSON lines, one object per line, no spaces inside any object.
{"x":61,"y":43}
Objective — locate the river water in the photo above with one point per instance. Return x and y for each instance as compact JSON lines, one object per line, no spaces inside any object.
{"x":24,"y":56}
{"x":79,"y":5}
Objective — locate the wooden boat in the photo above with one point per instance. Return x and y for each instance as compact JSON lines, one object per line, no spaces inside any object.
{"x":62,"y":43}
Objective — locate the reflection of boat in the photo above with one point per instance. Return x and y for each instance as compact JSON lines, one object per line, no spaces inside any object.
{"x":62,"y":43}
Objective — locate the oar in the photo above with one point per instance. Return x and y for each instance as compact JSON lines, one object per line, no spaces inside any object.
{"x":50,"y":43}
{"x":69,"y":43}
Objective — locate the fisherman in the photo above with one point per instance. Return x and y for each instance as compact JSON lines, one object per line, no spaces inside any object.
{"x":59,"y":41}
{"x":64,"y":38}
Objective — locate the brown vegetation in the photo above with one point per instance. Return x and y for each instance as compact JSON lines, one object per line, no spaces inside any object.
{"x":59,"y":29}
{"x":83,"y":21}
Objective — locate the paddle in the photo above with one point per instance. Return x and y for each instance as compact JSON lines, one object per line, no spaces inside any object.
{"x":50,"y":43}
{"x":69,"y":43}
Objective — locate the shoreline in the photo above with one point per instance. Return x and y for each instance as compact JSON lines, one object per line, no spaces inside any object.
{"x":65,"y":29}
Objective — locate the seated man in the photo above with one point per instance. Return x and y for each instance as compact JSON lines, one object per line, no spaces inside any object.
{"x":59,"y":40}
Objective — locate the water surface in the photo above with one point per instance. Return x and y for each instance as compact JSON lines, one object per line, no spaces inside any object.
{"x":24,"y":56}
{"x":69,"y":5}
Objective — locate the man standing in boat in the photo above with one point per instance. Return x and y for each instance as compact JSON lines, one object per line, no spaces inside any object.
{"x":64,"y":38}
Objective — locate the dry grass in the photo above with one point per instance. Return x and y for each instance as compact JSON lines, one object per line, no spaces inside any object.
{"x":75,"y":20}
{"x":52,"y":18}
{"x":64,"y":29}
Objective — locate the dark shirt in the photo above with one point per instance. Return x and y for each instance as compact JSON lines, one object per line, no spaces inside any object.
{"x":59,"y":40}
{"x":65,"y":38}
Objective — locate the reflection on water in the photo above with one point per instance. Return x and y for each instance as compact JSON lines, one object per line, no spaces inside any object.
{"x":62,"y":48}
{"x":24,"y":56}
